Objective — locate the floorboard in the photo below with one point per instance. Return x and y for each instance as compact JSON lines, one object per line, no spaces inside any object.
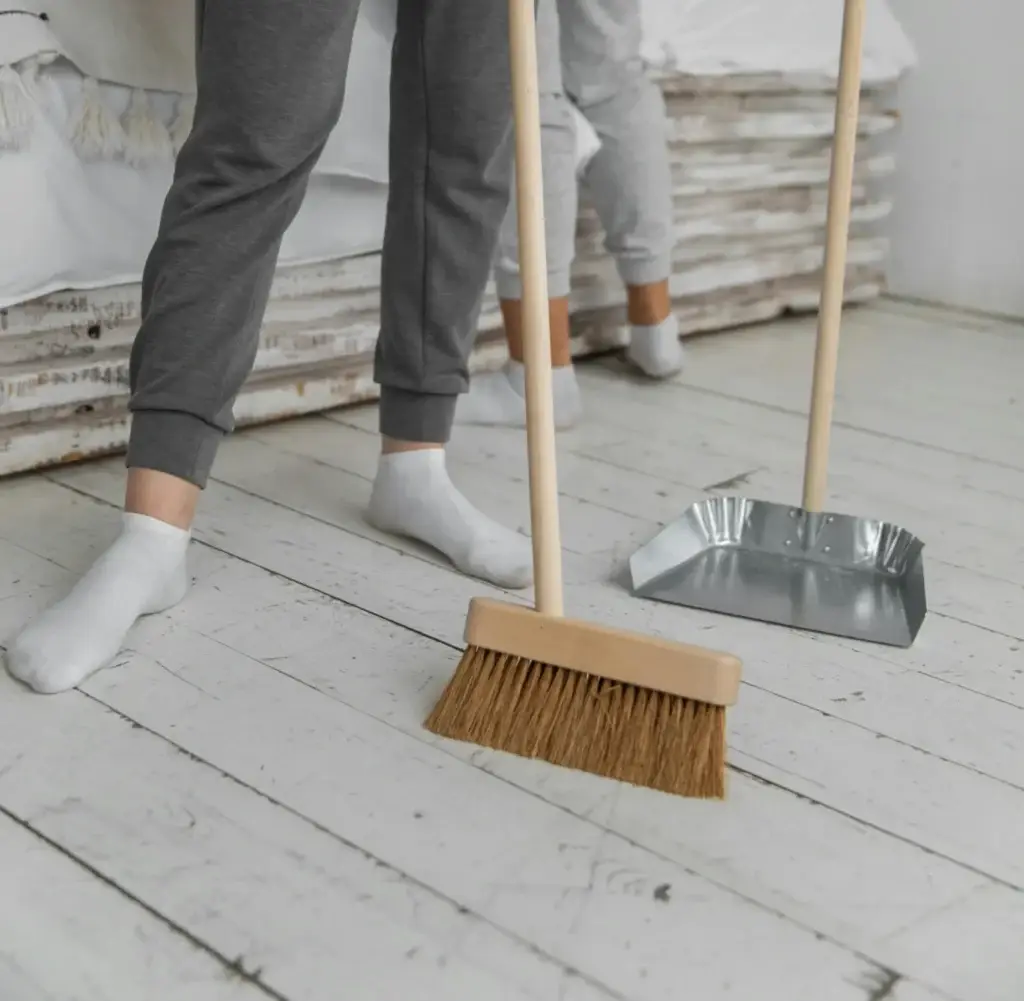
{"x":67,"y":935}
{"x":253,"y":775}
{"x":233,"y":861}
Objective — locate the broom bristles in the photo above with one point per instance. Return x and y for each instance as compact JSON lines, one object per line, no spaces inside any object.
{"x":581,"y":721}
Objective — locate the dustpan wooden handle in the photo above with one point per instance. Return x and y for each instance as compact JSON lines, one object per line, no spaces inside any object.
{"x":837,"y":229}
{"x":533,"y":272}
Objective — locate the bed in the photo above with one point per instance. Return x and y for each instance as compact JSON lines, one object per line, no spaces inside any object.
{"x":95,"y":97}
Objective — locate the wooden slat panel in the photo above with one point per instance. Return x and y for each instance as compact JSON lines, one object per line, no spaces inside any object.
{"x":750,"y":168}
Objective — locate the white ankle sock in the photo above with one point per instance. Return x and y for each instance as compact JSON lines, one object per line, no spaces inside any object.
{"x":499,"y":398}
{"x":142,"y":572}
{"x":413,"y":496}
{"x":656,"y":350}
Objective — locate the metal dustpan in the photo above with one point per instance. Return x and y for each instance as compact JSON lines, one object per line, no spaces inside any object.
{"x":829,"y":573}
{"x":801,"y":567}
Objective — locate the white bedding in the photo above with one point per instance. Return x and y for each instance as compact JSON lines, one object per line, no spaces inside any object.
{"x":72,"y":224}
{"x":795,"y":37}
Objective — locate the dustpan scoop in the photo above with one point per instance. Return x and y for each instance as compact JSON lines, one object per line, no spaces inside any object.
{"x":801,"y":567}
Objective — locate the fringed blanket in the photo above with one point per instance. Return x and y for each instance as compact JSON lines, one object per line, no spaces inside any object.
{"x":144,"y":46}
{"x":138,"y":43}
{"x":148,"y":48}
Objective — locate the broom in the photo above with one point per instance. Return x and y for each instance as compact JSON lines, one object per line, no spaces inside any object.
{"x":531,"y":682}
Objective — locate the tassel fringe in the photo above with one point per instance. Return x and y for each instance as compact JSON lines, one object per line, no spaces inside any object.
{"x":17,"y":111}
{"x":182,"y":124}
{"x":96,"y":132}
{"x":146,"y":139}
{"x":31,"y":68}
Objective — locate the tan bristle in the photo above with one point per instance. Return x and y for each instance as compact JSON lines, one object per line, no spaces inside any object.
{"x":584,"y":722}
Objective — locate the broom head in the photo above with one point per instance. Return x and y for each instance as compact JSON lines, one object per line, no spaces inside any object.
{"x":618,"y":704}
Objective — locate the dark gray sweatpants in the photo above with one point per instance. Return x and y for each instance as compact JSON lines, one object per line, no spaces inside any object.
{"x":271,"y":78}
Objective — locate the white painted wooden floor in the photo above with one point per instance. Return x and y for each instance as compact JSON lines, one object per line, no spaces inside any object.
{"x":247,"y":808}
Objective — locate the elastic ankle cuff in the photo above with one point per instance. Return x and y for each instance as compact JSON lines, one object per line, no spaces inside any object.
{"x":644,"y":271}
{"x":420,"y":417}
{"x":173,"y":442}
{"x":667,"y":327}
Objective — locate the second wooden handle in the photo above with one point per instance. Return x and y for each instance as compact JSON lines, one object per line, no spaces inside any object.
{"x":533,"y":271}
{"x":837,"y":230}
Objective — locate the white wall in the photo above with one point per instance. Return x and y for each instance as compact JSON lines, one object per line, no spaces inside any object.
{"x":958,"y":224}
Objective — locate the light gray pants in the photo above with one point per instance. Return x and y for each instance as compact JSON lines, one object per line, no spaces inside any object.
{"x":589,"y":53}
{"x":271,"y":79}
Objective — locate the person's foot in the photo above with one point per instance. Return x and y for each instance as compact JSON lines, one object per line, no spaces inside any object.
{"x":499,"y":398}
{"x":656,"y":350}
{"x":414,"y":497}
{"x":144,"y":571}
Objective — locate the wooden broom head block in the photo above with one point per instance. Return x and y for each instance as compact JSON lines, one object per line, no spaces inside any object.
{"x":690,"y":672}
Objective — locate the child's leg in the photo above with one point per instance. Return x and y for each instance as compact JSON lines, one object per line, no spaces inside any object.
{"x":498,"y":398}
{"x":629,"y":178}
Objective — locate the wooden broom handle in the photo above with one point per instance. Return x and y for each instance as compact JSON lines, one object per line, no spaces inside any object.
{"x":837,"y":230}
{"x":533,"y":271}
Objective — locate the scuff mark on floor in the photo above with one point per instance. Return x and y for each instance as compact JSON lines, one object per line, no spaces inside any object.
{"x":882,"y":983}
{"x":739,"y":480}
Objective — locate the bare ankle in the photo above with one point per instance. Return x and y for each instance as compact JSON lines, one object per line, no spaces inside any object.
{"x":650,"y":304}
{"x":558,"y":316}
{"x":390,"y":446}
{"x":161,"y":496}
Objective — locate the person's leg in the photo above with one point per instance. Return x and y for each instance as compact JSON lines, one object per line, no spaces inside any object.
{"x":450,"y":170}
{"x":499,"y":398}
{"x":629,"y":178}
{"x":271,"y":77}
